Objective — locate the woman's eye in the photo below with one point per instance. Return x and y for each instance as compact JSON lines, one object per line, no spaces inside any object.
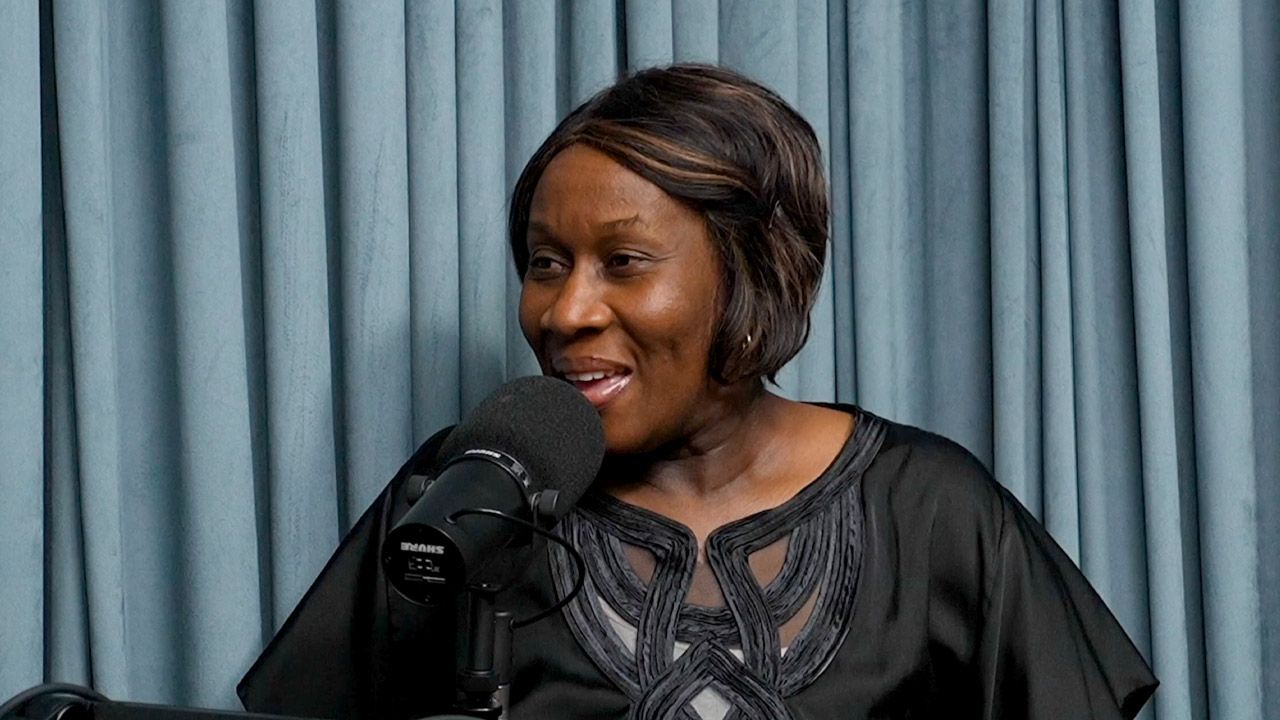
{"x":544,"y":264}
{"x":624,"y":262}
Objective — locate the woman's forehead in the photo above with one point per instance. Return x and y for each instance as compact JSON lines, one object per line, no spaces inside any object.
{"x":579,"y":171}
{"x":585,"y":190}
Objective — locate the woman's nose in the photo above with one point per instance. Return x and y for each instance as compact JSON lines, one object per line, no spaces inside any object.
{"x":579,"y":305}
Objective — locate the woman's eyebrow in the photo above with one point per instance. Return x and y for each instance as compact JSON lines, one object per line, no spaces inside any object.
{"x":622,"y":223}
{"x":607,"y":227}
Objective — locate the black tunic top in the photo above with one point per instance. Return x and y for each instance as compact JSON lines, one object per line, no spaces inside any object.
{"x":909,"y":585}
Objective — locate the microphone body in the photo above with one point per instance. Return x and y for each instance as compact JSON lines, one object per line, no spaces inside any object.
{"x":527,"y":452}
{"x":430,"y":556}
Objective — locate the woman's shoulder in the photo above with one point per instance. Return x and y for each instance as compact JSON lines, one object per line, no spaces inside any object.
{"x":936,"y":508}
{"x":1000,"y":589}
{"x":920,"y":473}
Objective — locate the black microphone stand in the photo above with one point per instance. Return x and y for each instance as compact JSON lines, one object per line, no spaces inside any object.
{"x":485,"y":659}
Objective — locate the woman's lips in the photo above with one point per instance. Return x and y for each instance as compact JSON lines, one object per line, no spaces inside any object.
{"x":601,"y":392}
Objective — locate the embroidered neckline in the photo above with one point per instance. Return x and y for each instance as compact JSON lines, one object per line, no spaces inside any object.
{"x":824,"y":556}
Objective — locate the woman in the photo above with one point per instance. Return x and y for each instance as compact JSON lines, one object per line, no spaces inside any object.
{"x":748,"y":555}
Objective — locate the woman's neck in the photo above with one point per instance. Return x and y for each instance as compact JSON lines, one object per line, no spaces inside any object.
{"x":729,"y":444}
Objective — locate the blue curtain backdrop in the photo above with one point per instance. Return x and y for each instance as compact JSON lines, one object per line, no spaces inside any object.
{"x":252,"y":252}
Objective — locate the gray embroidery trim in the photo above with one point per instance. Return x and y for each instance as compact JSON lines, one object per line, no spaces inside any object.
{"x":825,"y":521}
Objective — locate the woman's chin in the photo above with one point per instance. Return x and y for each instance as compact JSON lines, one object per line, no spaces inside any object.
{"x":621,"y":440}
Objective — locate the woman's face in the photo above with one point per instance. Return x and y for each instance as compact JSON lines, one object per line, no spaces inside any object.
{"x":620,"y":297}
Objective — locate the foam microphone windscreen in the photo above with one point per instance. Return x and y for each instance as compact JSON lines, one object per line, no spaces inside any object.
{"x":546,"y":425}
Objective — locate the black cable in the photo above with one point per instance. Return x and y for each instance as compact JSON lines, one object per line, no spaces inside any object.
{"x":577,"y":559}
{"x":80,"y":692}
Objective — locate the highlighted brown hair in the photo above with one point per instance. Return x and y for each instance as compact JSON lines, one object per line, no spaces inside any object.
{"x":737,"y":153}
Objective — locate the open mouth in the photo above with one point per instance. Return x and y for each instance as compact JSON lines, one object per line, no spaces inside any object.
{"x":600,"y":386}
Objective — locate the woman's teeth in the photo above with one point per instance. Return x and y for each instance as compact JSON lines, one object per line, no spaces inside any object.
{"x":600,"y":387}
{"x":588,"y":377}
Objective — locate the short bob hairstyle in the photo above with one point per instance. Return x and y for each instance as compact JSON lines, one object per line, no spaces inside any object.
{"x":737,"y":153}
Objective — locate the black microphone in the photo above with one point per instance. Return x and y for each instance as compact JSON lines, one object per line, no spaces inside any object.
{"x":528,"y":451}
